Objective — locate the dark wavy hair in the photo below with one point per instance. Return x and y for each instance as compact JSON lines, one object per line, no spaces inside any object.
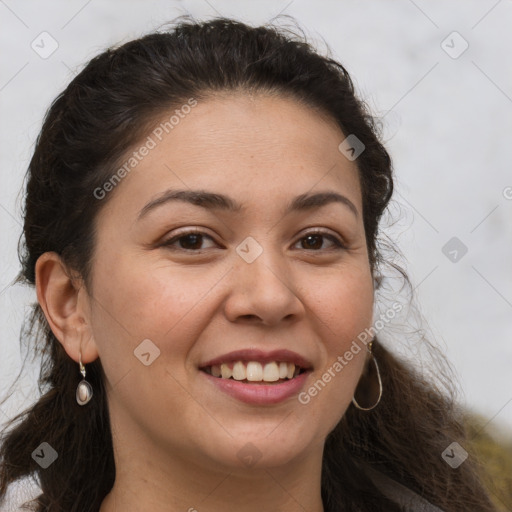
{"x":103,"y":113}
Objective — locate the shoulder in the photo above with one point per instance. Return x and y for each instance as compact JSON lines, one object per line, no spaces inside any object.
{"x":405,"y":497}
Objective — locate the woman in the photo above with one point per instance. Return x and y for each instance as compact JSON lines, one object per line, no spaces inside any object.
{"x":201,"y":224}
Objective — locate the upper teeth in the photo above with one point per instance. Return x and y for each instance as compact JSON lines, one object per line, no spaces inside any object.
{"x":255,"y":371}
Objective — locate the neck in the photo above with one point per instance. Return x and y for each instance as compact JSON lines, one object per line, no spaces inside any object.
{"x":266,"y":494}
{"x":187,"y":487}
{"x":148,"y":478}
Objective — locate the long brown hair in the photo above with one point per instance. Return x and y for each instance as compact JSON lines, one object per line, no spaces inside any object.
{"x":105,"y":110}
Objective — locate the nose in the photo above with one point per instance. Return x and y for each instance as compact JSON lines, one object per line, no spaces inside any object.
{"x":264,"y":291}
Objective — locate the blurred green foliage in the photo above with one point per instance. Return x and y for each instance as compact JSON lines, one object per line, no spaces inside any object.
{"x":493,"y":449}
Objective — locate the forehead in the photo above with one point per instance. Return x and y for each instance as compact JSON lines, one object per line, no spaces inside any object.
{"x":258,"y":127}
{"x":262,"y":148}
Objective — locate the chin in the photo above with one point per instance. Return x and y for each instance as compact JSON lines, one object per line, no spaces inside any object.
{"x":252,"y":450}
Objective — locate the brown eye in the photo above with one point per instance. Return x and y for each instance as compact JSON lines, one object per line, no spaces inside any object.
{"x":314,"y":241}
{"x":191,"y":241}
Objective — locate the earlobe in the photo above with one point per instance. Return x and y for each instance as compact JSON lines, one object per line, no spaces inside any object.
{"x":59,"y":296}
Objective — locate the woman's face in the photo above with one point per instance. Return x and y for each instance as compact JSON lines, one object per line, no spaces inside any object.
{"x":165,"y":305}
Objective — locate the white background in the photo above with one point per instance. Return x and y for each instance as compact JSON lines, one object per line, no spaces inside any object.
{"x":447,"y":124}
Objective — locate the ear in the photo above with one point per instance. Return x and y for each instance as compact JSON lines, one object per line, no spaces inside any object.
{"x":65,"y":303}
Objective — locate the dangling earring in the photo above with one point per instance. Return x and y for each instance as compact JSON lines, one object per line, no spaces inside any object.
{"x":354,"y":401}
{"x":84,"y":389}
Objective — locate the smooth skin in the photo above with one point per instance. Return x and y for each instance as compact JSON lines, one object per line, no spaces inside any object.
{"x":176,"y":436}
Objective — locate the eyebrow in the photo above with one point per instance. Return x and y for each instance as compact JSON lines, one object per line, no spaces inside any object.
{"x":213,"y":201}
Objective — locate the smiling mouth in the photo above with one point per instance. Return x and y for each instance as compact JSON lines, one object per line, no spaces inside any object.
{"x":254,"y":372}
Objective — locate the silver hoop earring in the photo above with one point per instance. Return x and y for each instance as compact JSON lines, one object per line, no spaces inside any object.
{"x":84,"y":389}
{"x":354,"y":401}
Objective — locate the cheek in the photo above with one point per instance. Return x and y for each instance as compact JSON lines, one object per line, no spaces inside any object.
{"x":343,"y":304}
{"x":343,"y":309}
{"x":134,"y":302}
{"x":137,"y":300}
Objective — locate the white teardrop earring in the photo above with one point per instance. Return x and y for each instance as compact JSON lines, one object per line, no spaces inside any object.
{"x":84,"y":389}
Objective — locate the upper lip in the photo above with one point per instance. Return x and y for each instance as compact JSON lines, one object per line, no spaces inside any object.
{"x":261,"y":357}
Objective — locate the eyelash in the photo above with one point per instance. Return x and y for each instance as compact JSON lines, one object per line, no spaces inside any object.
{"x":337,"y":242}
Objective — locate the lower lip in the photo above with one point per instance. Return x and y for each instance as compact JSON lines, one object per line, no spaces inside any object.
{"x":260,"y":394}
